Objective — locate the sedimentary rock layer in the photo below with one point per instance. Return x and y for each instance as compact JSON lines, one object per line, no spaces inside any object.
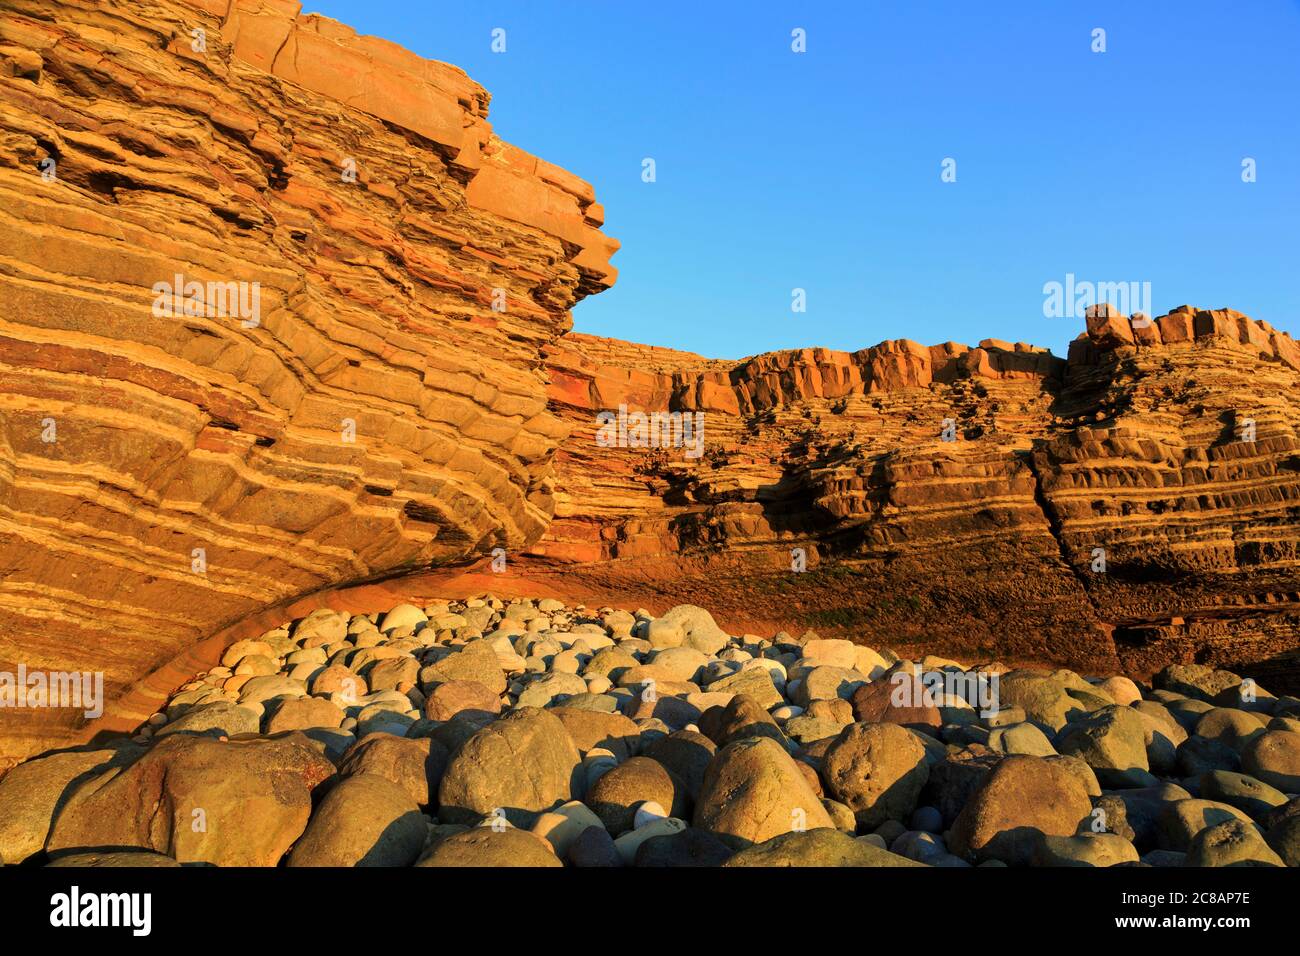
{"x":364,"y":397}
{"x":1168,"y":450}
{"x":374,"y":379}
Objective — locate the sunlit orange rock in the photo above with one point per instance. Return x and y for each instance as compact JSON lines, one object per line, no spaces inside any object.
{"x":164,"y":475}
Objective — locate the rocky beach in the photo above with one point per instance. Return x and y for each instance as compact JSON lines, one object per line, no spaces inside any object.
{"x":526,"y":733}
{"x":286,"y":328}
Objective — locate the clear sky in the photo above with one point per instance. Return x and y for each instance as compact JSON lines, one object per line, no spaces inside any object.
{"x":821,"y":170}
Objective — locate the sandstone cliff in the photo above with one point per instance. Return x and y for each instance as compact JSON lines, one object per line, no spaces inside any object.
{"x":161,"y":476}
{"x":986,"y":544}
{"x":407,"y":398}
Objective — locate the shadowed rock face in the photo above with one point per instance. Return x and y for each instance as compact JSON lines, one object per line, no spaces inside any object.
{"x":980,"y":545}
{"x":375,"y":414}
{"x":402,"y":397}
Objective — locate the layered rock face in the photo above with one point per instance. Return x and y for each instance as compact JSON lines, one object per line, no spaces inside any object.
{"x":281,"y":313}
{"x":274,"y":299}
{"x":1131,"y":507}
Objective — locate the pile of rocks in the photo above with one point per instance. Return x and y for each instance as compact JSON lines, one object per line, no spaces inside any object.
{"x":528,"y":733}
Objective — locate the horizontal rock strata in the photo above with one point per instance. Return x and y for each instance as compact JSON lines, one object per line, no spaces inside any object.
{"x":1169,"y":446}
{"x":162,"y":475}
{"x":399,"y":395}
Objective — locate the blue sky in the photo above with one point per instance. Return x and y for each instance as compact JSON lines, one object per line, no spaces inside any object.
{"x":821,"y":170}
